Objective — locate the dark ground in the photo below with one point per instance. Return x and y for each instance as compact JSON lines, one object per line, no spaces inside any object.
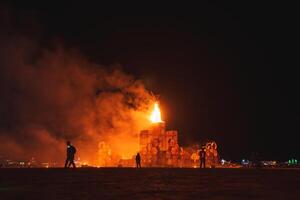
{"x":123,"y":183}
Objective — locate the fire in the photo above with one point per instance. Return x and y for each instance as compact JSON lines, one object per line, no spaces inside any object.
{"x":155,"y":116}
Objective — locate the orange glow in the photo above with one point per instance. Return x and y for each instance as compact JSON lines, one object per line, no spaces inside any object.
{"x":155,"y":116}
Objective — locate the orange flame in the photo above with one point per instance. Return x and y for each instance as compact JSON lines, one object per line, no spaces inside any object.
{"x":155,"y":116}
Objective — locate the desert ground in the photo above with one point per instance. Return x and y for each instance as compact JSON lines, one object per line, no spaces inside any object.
{"x":149,"y":183}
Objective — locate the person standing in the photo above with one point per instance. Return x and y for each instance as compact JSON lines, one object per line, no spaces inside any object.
{"x":71,"y":150}
{"x":202,"y":157}
{"x":138,"y":160}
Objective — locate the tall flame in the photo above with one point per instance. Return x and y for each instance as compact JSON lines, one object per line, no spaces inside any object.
{"x":155,"y":116}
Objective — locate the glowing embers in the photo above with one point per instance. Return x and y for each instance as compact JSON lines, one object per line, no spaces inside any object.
{"x":156,"y":116}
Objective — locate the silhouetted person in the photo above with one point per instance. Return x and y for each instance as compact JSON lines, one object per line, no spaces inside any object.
{"x":138,"y":160}
{"x":202,"y":158}
{"x":71,"y":150}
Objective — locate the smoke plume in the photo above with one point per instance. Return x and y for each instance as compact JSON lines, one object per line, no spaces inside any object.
{"x":50,"y":95}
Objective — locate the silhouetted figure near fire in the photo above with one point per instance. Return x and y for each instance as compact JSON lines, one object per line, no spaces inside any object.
{"x":71,"y":150}
{"x":138,"y":160}
{"x":202,"y":158}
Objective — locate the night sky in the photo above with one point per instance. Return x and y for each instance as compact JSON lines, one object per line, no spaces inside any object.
{"x":225,"y":72}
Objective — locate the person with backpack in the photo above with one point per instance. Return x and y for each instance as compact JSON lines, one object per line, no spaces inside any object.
{"x":71,"y":150}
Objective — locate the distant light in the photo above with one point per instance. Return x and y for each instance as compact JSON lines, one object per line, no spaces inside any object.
{"x":223,"y":161}
{"x":245,"y":162}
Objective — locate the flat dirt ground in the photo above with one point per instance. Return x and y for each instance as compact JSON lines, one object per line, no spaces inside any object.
{"x":149,"y":183}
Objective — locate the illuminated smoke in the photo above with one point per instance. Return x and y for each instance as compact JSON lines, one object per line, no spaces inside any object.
{"x":52,"y":95}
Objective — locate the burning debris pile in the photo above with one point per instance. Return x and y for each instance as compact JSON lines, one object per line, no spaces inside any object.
{"x":159,"y":147}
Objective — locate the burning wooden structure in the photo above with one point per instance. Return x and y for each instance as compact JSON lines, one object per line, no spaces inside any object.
{"x":159,"y":147}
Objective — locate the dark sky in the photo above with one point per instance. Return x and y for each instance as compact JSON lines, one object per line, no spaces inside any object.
{"x":226,"y":72}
